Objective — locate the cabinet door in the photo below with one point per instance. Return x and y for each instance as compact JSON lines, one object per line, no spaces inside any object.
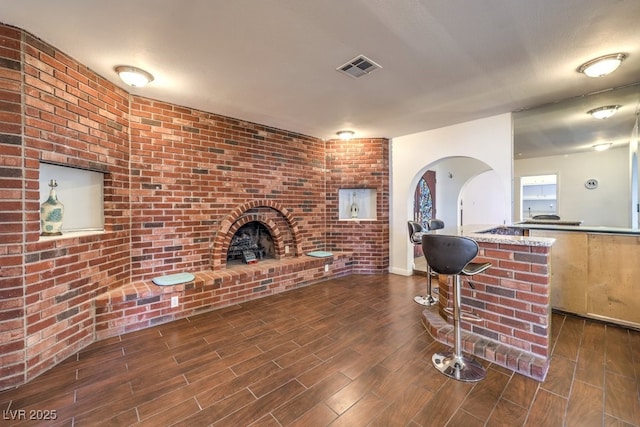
{"x":614,"y":272}
{"x":568,"y":269}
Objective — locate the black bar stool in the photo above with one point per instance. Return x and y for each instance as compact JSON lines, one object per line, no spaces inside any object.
{"x":452,"y":255}
{"x":429,"y":299}
{"x":415,"y":232}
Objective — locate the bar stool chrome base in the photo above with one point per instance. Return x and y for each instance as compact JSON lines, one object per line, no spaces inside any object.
{"x":461,"y":368}
{"x":427,"y":300}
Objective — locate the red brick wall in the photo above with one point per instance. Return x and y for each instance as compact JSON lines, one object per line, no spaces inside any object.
{"x":172,"y":174}
{"x":359,"y":163}
{"x":71,"y":117}
{"x":512,"y":297}
{"x":13,"y":214}
{"x":190,"y":169}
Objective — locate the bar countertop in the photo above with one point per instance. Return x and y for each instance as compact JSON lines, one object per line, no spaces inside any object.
{"x":563,"y":226}
{"x":495,"y":234}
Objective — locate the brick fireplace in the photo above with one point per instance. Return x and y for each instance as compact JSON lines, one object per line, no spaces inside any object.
{"x":274,"y":217}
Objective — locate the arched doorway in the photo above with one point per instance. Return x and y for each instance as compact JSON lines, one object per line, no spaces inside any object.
{"x":424,"y":203}
{"x":469,"y":192}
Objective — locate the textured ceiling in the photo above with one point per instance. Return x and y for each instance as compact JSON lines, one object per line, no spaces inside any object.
{"x":274,"y":61}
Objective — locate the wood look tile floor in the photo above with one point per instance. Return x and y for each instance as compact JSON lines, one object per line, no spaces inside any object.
{"x":346,"y":352}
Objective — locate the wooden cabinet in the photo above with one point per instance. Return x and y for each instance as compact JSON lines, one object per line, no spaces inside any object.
{"x":595,"y":274}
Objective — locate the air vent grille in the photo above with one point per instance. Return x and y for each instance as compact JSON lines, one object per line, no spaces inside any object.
{"x":358,"y":67}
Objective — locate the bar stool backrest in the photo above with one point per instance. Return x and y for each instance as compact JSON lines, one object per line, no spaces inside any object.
{"x":435,"y":224}
{"x":414,"y":227}
{"x":448,"y":254}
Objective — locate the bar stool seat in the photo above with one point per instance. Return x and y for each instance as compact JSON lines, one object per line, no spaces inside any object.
{"x":452,"y":255}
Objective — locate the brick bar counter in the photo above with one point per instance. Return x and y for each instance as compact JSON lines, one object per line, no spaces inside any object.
{"x":512,"y":299}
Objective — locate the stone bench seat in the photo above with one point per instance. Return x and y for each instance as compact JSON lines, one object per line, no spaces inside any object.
{"x":142,"y":304}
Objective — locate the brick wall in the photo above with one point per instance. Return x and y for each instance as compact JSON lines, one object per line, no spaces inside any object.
{"x":71,"y":117}
{"x":172,"y":175}
{"x":512,"y":300}
{"x":190,"y":169}
{"x":513,"y":297}
{"x":13,"y":214}
{"x":359,"y":163}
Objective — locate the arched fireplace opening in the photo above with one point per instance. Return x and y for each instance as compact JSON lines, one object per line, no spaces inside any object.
{"x":252,"y":242}
{"x":276,"y":220}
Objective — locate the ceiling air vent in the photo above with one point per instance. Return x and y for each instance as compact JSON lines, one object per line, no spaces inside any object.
{"x":358,"y":67}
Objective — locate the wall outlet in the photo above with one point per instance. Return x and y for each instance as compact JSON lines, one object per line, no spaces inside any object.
{"x":174,"y":301}
{"x":286,"y":249}
{"x":326,"y":267}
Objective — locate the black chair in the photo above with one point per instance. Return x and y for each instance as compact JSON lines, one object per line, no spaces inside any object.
{"x":429,"y":299}
{"x":415,"y":232}
{"x":452,"y":255}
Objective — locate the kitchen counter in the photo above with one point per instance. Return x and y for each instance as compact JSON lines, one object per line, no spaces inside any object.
{"x":595,"y":270}
{"x":566,"y":226}
{"x":496,"y":234}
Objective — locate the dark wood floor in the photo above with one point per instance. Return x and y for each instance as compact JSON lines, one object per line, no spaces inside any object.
{"x":346,"y":352}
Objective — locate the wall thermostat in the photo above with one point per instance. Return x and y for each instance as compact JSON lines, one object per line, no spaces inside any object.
{"x":591,"y":184}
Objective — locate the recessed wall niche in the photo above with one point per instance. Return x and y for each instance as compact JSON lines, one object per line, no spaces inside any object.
{"x":81,"y":192}
{"x":357,"y":204}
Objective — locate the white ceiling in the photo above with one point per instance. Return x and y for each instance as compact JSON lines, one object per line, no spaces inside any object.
{"x":274,"y":61}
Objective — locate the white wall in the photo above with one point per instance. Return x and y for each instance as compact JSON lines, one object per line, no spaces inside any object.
{"x":488,"y":140}
{"x":452,"y":175}
{"x":481,"y":206}
{"x":607,"y":205}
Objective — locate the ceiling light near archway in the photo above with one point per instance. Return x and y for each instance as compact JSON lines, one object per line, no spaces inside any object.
{"x":133,"y":76}
{"x":604,"y":112}
{"x":345,"y":134}
{"x":602,"y":66}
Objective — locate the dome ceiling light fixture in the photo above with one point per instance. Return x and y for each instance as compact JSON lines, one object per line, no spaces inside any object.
{"x":345,"y":134}
{"x":603,"y":65}
{"x":133,"y":76}
{"x":604,"y":112}
{"x":602,"y":147}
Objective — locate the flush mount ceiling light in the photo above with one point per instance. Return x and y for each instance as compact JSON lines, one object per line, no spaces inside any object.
{"x":603,"y":65}
{"x":134,"y":76}
{"x":345,"y":134}
{"x":604,"y":112}
{"x":602,"y":147}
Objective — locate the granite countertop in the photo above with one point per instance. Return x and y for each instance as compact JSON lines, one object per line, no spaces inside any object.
{"x":548,"y":225}
{"x":482,"y":233}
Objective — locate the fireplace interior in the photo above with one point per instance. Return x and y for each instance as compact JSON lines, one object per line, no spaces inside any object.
{"x":251,"y":243}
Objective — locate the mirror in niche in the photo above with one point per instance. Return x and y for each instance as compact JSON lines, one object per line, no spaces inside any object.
{"x":560,"y":138}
